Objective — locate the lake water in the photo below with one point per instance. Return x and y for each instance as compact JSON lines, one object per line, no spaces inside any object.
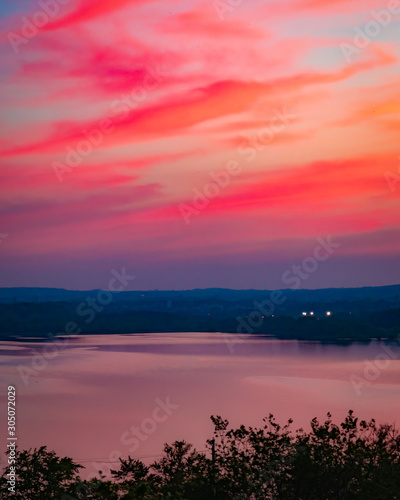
{"x":103,"y":396}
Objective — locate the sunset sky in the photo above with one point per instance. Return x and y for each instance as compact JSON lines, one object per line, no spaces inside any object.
{"x":199,"y":143}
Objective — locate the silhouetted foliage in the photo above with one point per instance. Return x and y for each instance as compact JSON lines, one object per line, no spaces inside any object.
{"x":356,"y":460}
{"x":40,"y":474}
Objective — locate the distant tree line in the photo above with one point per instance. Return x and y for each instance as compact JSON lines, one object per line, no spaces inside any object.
{"x":30,"y":319}
{"x":355,"y":460}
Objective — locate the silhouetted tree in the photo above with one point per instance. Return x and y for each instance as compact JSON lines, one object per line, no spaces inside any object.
{"x":40,"y":475}
{"x":356,"y":460}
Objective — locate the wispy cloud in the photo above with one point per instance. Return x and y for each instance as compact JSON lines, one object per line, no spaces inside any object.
{"x":212,"y":86}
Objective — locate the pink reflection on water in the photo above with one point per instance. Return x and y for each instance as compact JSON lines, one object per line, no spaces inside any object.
{"x":97,"y":388}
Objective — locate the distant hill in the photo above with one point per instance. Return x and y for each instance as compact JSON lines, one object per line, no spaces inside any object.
{"x":20,"y":294}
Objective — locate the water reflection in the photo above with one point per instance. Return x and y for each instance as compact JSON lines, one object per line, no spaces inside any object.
{"x":92,"y":392}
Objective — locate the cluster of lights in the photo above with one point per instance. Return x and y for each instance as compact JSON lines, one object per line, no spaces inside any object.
{"x":328,"y":313}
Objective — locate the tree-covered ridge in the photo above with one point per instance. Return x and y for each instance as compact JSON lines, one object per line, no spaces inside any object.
{"x":37,"y":320}
{"x":355,"y":460}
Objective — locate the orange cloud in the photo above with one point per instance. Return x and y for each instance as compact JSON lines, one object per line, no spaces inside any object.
{"x":179,"y":113}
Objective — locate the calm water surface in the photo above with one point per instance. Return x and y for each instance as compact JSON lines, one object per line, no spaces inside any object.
{"x":96,"y":390}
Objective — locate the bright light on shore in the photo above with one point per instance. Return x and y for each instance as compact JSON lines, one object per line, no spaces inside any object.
{"x":328,"y":313}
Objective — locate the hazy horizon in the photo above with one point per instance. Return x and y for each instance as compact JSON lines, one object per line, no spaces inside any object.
{"x":195,"y":289}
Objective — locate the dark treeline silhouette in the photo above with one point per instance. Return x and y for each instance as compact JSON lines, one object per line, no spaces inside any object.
{"x":356,"y":460}
{"x":30,"y":319}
